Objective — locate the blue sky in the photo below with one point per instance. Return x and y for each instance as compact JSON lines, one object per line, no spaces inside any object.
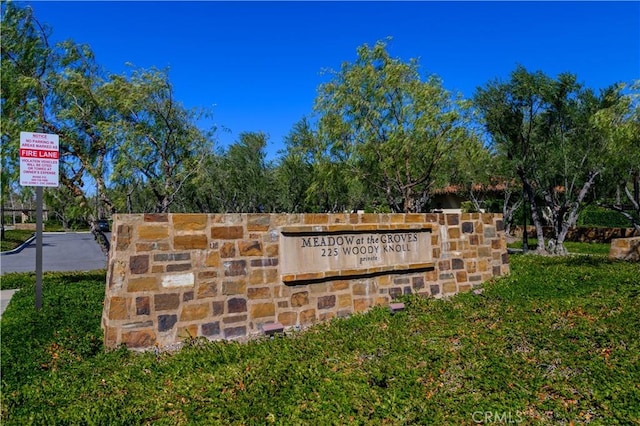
{"x":259,"y":64}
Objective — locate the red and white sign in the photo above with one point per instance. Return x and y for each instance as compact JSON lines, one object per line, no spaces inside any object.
{"x":39,"y":164}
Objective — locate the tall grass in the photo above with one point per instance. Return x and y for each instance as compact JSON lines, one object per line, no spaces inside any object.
{"x":556,"y":342}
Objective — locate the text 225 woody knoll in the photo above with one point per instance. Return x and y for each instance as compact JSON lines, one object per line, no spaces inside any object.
{"x":319,"y":252}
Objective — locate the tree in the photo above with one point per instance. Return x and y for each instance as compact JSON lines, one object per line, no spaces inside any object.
{"x":472,"y":169}
{"x":247,"y":180}
{"x":390,"y":129}
{"x":542,"y":128}
{"x":238,"y":179}
{"x":294,"y":172}
{"x":620,"y":127}
{"x":326,"y":184}
{"x":131,"y":123}
{"x":159,"y":144}
{"x":53,"y":89}
{"x":23,"y":49}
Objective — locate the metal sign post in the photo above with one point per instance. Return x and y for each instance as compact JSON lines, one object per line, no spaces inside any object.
{"x":38,"y":247}
{"x":39,"y":167}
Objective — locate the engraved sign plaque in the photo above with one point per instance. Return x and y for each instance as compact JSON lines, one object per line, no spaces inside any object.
{"x":322,"y":252}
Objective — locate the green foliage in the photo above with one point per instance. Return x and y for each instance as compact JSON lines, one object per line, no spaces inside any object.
{"x":387,"y":129}
{"x":160,"y":145}
{"x":619,"y":124}
{"x":598,"y":249}
{"x":556,"y":342}
{"x":601,"y":217}
{"x":13,"y":238}
{"x":238,"y":179}
{"x":543,"y":128}
{"x":65,"y":332}
{"x":468,"y":207}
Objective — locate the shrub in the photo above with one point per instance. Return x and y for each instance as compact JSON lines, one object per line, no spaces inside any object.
{"x":594,"y":216}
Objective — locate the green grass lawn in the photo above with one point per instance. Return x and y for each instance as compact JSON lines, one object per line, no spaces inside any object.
{"x":556,"y":342}
{"x":572,"y":247}
{"x":13,"y":238}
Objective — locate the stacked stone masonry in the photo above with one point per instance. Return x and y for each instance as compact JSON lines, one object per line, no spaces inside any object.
{"x":173,"y":277}
{"x":625,"y":249}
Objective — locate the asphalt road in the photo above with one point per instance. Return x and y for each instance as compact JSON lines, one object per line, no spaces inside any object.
{"x":61,"y":251}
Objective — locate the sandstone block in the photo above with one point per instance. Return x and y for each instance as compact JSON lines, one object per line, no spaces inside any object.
{"x":207,"y":289}
{"x":194,"y":312}
{"x":259,"y":292}
{"x":212,"y":259}
{"x":345,"y":301}
{"x":364,"y":289}
{"x":233,"y":268}
{"x":227,"y":250}
{"x":189,"y":222}
{"x":236,"y":305}
{"x":153,"y":232}
{"x":258,"y":222}
{"x":261,"y":310}
{"x":361,"y":305}
{"x":190,"y":242}
{"x":457,"y":264}
{"x":449,"y":287}
{"x":326,"y":302}
{"x":227,"y":232}
{"x":166,"y":322}
{"x":250,"y":248}
{"x":300,"y":299}
{"x":156,"y":217}
{"x":489,"y":231}
{"x":118,"y":308}
{"x":139,"y":264}
{"x":165,"y":302}
{"x":138,"y":338}
{"x":143,"y":305}
{"x":211,"y":329}
{"x":178,"y":267}
{"x":308,"y":316}
{"x":152,"y":246}
{"x":230,"y":288}
{"x":230,"y":333}
{"x":171,"y":257}
{"x":287,"y":318}
{"x":453,"y":233}
{"x":339,"y":285}
{"x":218,"y":308}
{"x":187,"y":332}
{"x":137,"y":284}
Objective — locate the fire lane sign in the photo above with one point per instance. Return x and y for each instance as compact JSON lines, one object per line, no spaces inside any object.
{"x":39,"y":164}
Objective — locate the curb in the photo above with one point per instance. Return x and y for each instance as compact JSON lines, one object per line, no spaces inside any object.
{"x":19,"y":249}
{"x":5,"y":298}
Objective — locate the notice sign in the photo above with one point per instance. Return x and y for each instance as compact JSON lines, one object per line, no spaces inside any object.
{"x":39,"y":154}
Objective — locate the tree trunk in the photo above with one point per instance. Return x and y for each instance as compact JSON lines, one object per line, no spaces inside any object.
{"x":508,"y":211}
{"x":535,"y":216}
{"x":565,"y":216}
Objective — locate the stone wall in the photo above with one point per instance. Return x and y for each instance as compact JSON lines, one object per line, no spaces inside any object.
{"x":27,"y":226}
{"x":625,"y":249}
{"x":173,"y":277}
